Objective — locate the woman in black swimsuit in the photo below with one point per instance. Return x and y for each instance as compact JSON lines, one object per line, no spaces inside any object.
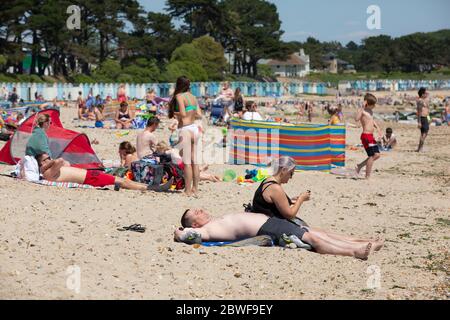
{"x":270,"y":197}
{"x":123,"y":117}
{"x":271,"y":200}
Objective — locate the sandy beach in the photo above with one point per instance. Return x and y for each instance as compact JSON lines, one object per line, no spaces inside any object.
{"x":46,"y":230}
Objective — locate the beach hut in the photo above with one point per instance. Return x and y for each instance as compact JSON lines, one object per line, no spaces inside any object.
{"x":72,"y":146}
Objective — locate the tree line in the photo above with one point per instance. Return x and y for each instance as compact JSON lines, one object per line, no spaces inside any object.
{"x":119,"y":41}
{"x":418,"y":52}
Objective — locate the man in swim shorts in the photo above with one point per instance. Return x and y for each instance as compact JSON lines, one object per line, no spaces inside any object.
{"x":423,"y":111}
{"x":198,"y":224}
{"x":365,"y":116}
{"x":55,"y":170}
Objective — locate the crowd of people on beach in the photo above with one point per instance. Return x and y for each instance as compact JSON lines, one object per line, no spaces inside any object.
{"x":154,"y":165}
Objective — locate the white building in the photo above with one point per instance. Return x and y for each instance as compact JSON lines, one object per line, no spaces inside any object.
{"x":297,"y":65}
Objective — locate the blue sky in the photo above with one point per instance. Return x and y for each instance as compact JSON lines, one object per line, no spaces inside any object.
{"x":345,"y":20}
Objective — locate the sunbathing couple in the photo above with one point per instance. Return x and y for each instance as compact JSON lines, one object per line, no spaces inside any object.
{"x":276,"y":214}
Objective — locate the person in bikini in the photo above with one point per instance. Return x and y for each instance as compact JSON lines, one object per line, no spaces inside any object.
{"x":55,"y":170}
{"x":123,"y":117}
{"x":365,"y":116}
{"x":199,"y":226}
{"x":184,"y":107}
{"x":423,"y":112}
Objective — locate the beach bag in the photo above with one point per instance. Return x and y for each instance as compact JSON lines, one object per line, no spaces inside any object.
{"x":145,"y":171}
{"x":176,"y":172}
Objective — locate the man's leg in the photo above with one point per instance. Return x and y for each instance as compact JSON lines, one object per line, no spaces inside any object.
{"x":360,"y":166}
{"x":323,"y":245}
{"x":423,"y":136}
{"x":131,"y":185}
{"x":378,"y":243}
{"x":369,"y":165}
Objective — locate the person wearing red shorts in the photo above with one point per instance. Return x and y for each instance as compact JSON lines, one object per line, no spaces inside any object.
{"x":54,"y":170}
{"x":365,"y":116}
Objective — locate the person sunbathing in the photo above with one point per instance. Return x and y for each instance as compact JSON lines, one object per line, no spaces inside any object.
{"x":55,"y":170}
{"x":198,"y":226}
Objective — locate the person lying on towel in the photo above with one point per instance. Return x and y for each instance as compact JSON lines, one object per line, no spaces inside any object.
{"x":55,"y":170}
{"x":198,"y":226}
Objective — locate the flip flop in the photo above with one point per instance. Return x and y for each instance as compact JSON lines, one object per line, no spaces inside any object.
{"x":161,"y":188}
{"x":134,"y":227}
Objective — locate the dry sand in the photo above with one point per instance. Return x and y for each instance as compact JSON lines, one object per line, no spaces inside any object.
{"x":45,"y":230}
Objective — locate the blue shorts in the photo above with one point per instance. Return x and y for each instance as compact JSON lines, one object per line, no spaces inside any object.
{"x":99,"y":124}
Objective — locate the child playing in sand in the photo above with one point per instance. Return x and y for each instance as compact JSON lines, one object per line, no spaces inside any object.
{"x":99,"y":117}
{"x":365,"y":116}
{"x":389,"y":141}
{"x":334,"y":120}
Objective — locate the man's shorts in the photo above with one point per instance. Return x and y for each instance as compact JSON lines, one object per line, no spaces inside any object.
{"x":370,"y":144}
{"x":425,"y":128}
{"x":276,"y":227}
{"x":99,"y":179}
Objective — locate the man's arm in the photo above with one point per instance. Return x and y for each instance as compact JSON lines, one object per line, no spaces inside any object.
{"x":419,"y":112}
{"x":189,"y":235}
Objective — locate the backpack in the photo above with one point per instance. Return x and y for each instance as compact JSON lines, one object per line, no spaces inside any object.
{"x":175,"y":171}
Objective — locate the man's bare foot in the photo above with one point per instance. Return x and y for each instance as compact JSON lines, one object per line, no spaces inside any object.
{"x":363,"y":252}
{"x":378,"y":244}
{"x":358,"y":169}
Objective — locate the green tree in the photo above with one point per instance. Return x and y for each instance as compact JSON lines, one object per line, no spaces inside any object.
{"x":194,"y":71}
{"x":212,"y":57}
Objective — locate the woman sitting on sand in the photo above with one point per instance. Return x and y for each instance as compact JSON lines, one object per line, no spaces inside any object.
{"x":127,"y":154}
{"x":123,"y":117}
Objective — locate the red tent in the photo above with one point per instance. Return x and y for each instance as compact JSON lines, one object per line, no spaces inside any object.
{"x":72,"y":146}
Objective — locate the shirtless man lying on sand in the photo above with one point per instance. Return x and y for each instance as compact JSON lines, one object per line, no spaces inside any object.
{"x":56,"y":170}
{"x":198,"y":223}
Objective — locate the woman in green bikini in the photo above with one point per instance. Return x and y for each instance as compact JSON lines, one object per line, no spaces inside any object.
{"x":185,"y":109}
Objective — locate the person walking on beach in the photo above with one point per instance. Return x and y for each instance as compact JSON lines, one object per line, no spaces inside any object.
{"x":365,"y":116}
{"x":423,"y":112}
{"x":184,"y":107}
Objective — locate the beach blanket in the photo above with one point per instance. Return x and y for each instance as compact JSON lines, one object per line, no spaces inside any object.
{"x":68,"y":185}
{"x":260,"y":241}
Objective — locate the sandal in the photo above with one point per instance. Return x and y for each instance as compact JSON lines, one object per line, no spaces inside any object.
{"x":134,"y":227}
